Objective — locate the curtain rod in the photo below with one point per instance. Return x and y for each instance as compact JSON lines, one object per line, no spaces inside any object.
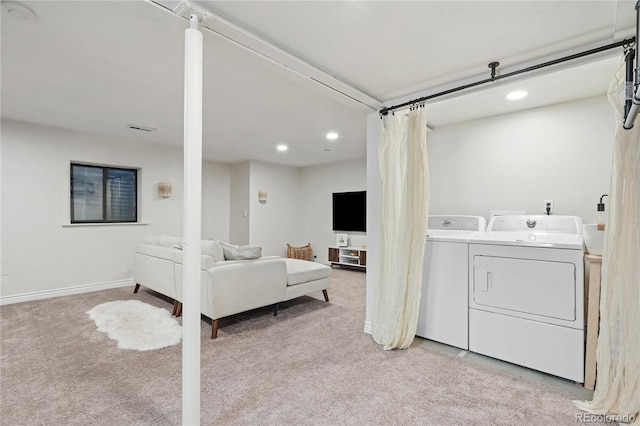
{"x":493,"y":66}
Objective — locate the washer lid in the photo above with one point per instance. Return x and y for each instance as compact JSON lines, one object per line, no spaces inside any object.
{"x":451,"y":235}
{"x":529,"y":239}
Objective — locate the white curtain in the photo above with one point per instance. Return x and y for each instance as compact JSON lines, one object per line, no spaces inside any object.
{"x":404,"y":171}
{"x":618,"y":354}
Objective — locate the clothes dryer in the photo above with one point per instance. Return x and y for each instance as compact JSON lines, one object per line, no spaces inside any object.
{"x":443,"y":312}
{"x":526,"y":292}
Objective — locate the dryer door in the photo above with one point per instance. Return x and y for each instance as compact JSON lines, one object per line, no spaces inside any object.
{"x":539,"y":288}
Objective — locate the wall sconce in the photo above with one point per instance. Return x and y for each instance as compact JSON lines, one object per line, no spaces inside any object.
{"x":262,"y":196}
{"x":164,"y":190}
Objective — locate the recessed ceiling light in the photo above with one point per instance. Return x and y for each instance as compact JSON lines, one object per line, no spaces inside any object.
{"x":332,"y":136}
{"x":17,"y":10}
{"x":282,"y":147}
{"x":518,"y":94}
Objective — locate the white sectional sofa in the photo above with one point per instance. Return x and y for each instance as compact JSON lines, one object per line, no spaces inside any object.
{"x":228,"y":286}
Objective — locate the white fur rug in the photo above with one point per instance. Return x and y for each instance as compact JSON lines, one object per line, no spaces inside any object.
{"x":136,"y":325}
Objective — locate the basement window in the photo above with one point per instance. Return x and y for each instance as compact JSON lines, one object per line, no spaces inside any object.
{"x":102,"y":194}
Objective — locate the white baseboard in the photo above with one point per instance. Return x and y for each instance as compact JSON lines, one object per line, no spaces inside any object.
{"x":367,"y":327}
{"x":68,"y":291}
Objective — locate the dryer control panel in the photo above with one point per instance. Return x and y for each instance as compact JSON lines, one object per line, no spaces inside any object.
{"x":537,"y":223}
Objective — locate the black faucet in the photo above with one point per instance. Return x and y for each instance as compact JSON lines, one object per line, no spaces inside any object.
{"x":600,"y":225}
{"x":601,"y":203}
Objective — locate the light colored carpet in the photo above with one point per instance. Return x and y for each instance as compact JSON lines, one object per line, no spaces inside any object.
{"x":136,"y":325}
{"x":310,"y":365}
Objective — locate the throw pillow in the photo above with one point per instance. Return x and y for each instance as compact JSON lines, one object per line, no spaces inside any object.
{"x":213,"y":248}
{"x":233,"y":252}
{"x":304,"y":252}
{"x":209,"y":248}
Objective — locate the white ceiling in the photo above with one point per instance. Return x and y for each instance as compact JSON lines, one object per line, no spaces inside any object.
{"x":98,"y":66}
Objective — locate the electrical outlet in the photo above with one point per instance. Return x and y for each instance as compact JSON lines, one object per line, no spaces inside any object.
{"x":548,"y":204}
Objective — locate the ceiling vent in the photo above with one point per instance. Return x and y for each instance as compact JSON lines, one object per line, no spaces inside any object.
{"x":141,"y":128}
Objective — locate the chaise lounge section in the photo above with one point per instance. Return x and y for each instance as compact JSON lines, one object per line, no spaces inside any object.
{"x":228,"y":286}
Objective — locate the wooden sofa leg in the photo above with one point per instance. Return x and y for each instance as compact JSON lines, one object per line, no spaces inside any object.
{"x":326,"y":295}
{"x":175,"y":308}
{"x":178,"y":309}
{"x":275,"y":310}
{"x":214,"y":328}
{"x":135,"y":290}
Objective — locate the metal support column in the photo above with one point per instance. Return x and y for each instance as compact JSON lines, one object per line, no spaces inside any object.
{"x":192,"y":225}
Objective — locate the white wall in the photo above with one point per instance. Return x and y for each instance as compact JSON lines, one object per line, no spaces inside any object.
{"x":516,"y":161}
{"x":39,"y":254}
{"x":374,"y":214}
{"x":40,"y":257}
{"x":276,"y":223}
{"x":298,"y":207}
{"x":216,"y":193}
{"x":317,"y":184}
{"x":513,"y":161}
{"x":239,"y":204}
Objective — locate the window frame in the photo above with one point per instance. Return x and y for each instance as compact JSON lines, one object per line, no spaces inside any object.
{"x":105,"y":171}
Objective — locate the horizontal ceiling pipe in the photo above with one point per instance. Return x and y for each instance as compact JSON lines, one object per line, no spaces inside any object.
{"x":386,"y":110}
{"x":227,"y":30}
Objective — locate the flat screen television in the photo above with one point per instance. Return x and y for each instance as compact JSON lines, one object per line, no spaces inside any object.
{"x":350,"y":211}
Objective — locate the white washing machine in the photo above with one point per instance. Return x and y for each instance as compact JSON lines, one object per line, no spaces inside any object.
{"x":443,"y":313}
{"x":526,"y":293}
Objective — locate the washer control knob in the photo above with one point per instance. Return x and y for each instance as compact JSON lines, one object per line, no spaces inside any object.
{"x":447,"y":222}
{"x":531,"y":223}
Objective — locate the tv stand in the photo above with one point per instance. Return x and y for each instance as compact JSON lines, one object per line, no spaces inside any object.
{"x":355,"y":257}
